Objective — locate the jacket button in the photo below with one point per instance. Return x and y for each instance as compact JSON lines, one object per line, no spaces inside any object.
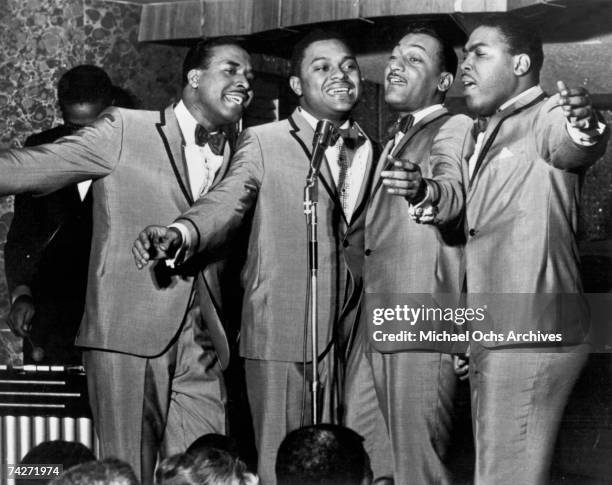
{"x":345,"y":243}
{"x":368,"y":252}
{"x":472,"y":232}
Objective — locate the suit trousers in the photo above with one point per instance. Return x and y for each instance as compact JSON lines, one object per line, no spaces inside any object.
{"x":416,"y":392}
{"x":279,"y":405}
{"x":150,"y":407}
{"x":518,"y":400}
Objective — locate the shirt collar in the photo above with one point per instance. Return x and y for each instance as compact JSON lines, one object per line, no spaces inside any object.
{"x":525,"y":93}
{"x":187,"y":123}
{"x":312,"y":121}
{"x":422,"y":113}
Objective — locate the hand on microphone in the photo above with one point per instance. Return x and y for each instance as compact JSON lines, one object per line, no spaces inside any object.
{"x":405,"y":180}
{"x":20,"y":316}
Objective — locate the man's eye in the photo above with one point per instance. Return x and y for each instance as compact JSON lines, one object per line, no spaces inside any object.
{"x":350,"y":67}
{"x":414,"y":59}
{"x":323,"y":68}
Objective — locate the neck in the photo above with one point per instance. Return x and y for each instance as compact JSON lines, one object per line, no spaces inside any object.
{"x":198,"y":113}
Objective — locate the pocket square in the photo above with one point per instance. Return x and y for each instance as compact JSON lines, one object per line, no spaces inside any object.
{"x":505,"y":153}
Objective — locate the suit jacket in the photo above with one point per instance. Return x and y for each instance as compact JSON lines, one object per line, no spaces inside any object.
{"x":409,"y":263}
{"x":522,"y":220}
{"x":139,"y":177}
{"x":267,"y":177}
{"x":45,"y":233}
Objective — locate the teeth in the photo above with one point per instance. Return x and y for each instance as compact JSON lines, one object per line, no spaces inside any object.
{"x":234,"y":99}
{"x":339,"y":91}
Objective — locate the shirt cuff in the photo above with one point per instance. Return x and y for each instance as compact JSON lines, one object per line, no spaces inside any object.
{"x":184,"y":252}
{"x":586,"y":138}
{"x":20,"y":290}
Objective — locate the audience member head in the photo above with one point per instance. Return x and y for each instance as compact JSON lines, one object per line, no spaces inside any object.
{"x":122,"y":98}
{"x":209,"y":466}
{"x":217,"y":76}
{"x":109,"y":471}
{"x":420,"y":70}
{"x":57,"y":452}
{"x":323,"y":454}
{"x":502,"y":58}
{"x":214,"y":440}
{"x":83,"y":92}
{"x":325,"y":76}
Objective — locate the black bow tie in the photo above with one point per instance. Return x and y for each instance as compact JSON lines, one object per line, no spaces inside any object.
{"x":216,"y":140}
{"x":402,"y":124}
{"x":480,"y":126}
{"x":351,"y":136}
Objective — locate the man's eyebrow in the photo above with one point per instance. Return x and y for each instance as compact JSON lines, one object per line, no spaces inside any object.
{"x":473,"y":47}
{"x":418,"y":46}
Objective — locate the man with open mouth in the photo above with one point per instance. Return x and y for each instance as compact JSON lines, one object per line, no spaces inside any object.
{"x":153,"y":348}
{"x":420,"y":180}
{"x":521,"y":223}
{"x":267,"y":177}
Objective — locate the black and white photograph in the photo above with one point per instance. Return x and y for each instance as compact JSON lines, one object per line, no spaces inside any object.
{"x":305,"y":242}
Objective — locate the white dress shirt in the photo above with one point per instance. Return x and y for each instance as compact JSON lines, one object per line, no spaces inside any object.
{"x":357,"y":169}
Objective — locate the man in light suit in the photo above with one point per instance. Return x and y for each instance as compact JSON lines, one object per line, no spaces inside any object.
{"x":48,"y":296}
{"x":421,"y":165}
{"x":154,"y":378}
{"x":267,"y":175}
{"x":521,"y":223}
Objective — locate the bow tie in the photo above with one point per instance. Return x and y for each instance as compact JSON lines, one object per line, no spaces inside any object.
{"x":351,"y":136}
{"x":480,"y":126}
{"x":402,"y":124}
{"x":216,"y":140}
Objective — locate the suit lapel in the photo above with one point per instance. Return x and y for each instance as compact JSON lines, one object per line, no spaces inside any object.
{"x":495,"y":122}
{"x":366,"y":183}
{"x":303,"y":133}
{"x":228,"y":151}
{"x":398,"y":149}
{"x":170,"y":134}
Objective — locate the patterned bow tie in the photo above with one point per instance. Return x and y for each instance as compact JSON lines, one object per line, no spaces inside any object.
{"x":351,"y":136}
{"x":480,"y":126}
{"x":402,"y":124}
{"x":216,"y":140}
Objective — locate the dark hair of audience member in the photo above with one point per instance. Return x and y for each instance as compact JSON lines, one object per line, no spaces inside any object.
{"x":56,"y":452}
{"x":84,"y":84}
{"x":299,"y":50}
{"x":199,"y":54}
{"x":110,"y":471}
{"x":521,"y":36}
{"x":324,"y":454}
{"x":214,"y":440}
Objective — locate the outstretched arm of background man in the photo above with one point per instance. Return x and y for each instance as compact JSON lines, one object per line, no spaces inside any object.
{"x":210,"y":224}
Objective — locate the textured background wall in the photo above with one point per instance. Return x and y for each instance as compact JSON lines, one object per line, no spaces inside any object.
{"x":41,"y":39}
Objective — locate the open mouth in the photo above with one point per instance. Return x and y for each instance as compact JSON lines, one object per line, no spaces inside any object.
{"x":339,"y":91}
{"x":395,"y":79}
{"x":236,"y":98}
{"x":467,"y":82}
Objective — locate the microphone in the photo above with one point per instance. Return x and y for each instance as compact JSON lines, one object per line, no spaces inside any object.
{"x":320,"y":142}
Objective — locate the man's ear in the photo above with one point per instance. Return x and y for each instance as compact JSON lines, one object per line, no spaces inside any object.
{"x":521,"y":64}
{"x":445,"y":81}
{"x":193,"y":78}
{"x":296,"y":85}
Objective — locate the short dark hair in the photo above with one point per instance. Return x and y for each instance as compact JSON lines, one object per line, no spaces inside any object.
{"x":297,"y":55}
{"x":198,"y":56}
{"x":214,"y":440}
{"x":322,"y":454}
{"x":109,"y":470}
{"x":521,"y":36}
{"x":447,"y":57}
{"x":84,"y":84}
{"x":209,"y":466}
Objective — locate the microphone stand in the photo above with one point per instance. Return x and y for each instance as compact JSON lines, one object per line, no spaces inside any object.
{"x":311,"y":198}
{"x":320,"y":142}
